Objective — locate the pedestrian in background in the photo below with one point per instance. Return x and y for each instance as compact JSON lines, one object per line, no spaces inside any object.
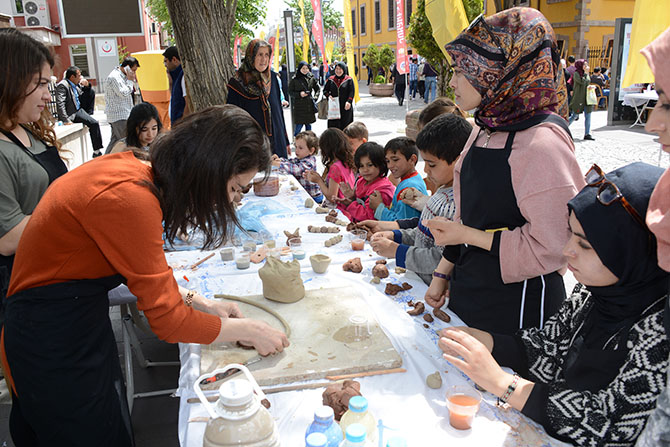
{"x":413,"y":78}
{"x":303,"y":107}
{"x":341,"y":86}
{"x":431,"y":82}
{"x":119,"y":88}
{"x":580,"y":81}
{"x":399,"y":83}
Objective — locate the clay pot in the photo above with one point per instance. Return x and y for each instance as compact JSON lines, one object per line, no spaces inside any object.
{"x":381,"y":89}
{"x":320,"y":263}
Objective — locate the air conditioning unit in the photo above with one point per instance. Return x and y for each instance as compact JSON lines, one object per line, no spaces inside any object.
{"x":36,"y":13}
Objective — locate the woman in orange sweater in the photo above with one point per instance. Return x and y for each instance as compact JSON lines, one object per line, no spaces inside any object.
{"x":98,"y":226}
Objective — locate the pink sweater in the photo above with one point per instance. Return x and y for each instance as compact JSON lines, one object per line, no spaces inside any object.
{"x":357,"y":211}
{"x":658,"y":219}
{"x":545,"y":176}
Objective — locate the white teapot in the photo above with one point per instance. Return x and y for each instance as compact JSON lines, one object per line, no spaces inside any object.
{"x":238,"y":418}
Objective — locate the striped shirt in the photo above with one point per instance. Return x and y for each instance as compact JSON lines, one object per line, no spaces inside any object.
{"x":413,"y":68}
{"x":297,"y":167}
{"x":118,"y":96}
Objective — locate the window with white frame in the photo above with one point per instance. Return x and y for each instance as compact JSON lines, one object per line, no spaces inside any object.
{"x":378,"y":16}
{"x":391,"y":9}
{"x":363,"y":18}
{"x":408,"y":11}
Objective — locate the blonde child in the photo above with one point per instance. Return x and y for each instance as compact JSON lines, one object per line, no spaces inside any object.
{"x":306,"y":146}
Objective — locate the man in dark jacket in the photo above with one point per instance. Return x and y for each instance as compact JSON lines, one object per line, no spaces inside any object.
{"x":69,"y":107}
{"x":399,"y":81}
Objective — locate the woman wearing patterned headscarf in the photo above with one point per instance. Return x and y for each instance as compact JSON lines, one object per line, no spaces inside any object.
{"x":657,"y":430}
{"x":255,"y":88}
{"x":580,"y":82}
{"x":502,"y":264}
{"x":592,"y":375}
{"x":341,"y":86}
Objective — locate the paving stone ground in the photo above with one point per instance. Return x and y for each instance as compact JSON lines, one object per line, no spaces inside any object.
{"x":155,"y":419}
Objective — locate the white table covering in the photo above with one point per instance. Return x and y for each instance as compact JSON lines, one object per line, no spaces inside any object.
{"x":402,"y":401}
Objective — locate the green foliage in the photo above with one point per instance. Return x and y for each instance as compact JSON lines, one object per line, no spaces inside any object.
{"x":473,"y":8}
{"x":248,"y":15}
{"x":123,"y":53}
{"x":371,"y":58}
{"x":386,"y":58}
{"x":379,"y":79}
{"x":331,"y":18}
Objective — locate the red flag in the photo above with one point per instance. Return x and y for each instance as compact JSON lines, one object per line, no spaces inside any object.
{"x":401,"y":62}
{"x":271,"y":41}
{"x":317,"y":28}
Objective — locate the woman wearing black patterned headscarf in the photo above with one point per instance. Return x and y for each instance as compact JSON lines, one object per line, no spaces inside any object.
{"x":591,"y":376}
{"x":255,"y":88}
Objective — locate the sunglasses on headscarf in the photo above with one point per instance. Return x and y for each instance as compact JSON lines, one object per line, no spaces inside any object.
{"x":608,"y":193}
{"x":481,"y":23}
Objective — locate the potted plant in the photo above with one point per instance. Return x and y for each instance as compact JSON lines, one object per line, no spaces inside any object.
{"x":380,"y":59}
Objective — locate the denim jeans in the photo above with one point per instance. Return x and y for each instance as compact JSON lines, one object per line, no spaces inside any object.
{"x":587,"y":121}
{"x":413,"y":87}
{"x":298,"y":127}
{"x":431,"y":89}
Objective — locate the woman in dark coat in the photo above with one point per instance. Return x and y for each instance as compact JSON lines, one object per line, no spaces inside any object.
{"x":580,"y":81}
{"x":255,"y":88}
{"x":341,"y":86}
{"x":302,"y":105}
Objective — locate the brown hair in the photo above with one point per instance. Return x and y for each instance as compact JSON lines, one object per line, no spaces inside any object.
{"x":438,"y":107}
{"x":310,"y":138}
{"x":193,"y":163}
{"x":356,"y":130}
{"x":23,"y":57}
{"x":335,"y":146}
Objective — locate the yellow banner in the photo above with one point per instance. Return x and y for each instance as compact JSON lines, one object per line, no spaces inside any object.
{"x":262,"y":35}
{"x":305,"y":32}
{"x":650,"y":19}
{"x":351,"y":64}
{"x":329,"y":51}
{"x":448,"y":19}
{"x":277,"y":55}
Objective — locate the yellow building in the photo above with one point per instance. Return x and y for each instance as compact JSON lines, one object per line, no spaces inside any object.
{"x":584,"y":28}
{"x":374,"y":22}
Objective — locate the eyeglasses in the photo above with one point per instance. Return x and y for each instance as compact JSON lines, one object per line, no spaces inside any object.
{"x":608,"y":193}
{"x":479,"y":21}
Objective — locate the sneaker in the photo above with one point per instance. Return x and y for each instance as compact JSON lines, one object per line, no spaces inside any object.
{"x":97,"y":153}
{"x":589,"y":137}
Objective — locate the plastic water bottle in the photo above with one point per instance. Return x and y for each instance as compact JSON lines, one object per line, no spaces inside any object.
{"x":355,"y":436}
{"x":358,"y":413}
{"x":324,"y":422}
{"x":316,"y":439}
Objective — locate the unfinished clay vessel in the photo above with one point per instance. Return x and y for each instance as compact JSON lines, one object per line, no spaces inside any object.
{"x":267,"y":188}
{"x":380,"y":271}
{"x":353,"y":265}
{"x":319,"y":263}
{"x":282,"y":281}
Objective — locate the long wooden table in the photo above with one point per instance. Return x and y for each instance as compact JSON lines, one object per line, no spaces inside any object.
{"x":403,"y":401}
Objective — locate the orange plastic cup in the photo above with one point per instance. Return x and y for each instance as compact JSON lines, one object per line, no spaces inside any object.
{"x":463,"y":404}
{"x":357,"y":238}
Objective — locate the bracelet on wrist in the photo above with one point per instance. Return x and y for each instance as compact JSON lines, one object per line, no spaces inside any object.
{"x":510,"y":390}
{"x":437,"y":274}
{"x":189,"y":298}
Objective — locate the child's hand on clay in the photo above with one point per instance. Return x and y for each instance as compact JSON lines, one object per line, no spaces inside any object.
{"x":375,"y":200}
{"x":311,"y":176}
{"x":347,"y":191}
{"x":344,"y":201}
{"x":383,"y":246}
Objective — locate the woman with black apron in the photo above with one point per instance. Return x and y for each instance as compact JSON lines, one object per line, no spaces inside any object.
{"x":29,"y":157}
{"x":98,"y":226}
{"x":502,"y":262}
{"x":593,"y":374}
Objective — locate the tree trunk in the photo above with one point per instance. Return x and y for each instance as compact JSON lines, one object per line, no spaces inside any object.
{"x":203,"y":29}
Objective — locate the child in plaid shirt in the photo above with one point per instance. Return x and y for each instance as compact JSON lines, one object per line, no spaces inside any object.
{"x":306,"y":146}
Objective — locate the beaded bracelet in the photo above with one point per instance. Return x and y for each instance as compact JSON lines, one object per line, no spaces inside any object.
{"x":189,"y":298}
{"x":510,"y":389}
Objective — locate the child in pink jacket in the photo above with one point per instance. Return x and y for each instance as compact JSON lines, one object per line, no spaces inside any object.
{"x":371,"y":164}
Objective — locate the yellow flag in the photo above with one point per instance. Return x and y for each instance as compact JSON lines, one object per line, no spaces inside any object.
{"x":650,"y":19}
{"x":349,"y":47}
{"x":305,"y":32}
{"x":262,"y":35}
{"x":329,"y":51}
{"x":448,"y":19}
{"x":277,"y":55}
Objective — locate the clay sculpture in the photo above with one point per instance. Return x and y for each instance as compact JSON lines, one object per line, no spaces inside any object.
{"x":333,"y":240}
{"x":442,"y":315}
{"x":375,"y":280}
{"x":322,"y":210}
{"x":380,"y":271}
{"x":282,"y":281}
{"x":392,"y":289}
{"x":309,"y":202}
{"x":324,"y":229}
{"x":258,"y":256}
{"x":267,"y":188}
{"x":418,"y":309}
{"x":338,"y":394}
{"x":319,"y":263}
{"x":294,"y":235}
{"x":429,"y":318}
{"x":294,"y":188}
{"x":332,"y":213}
{"x":357,"y":226}
{"x":380,"y":261}
{"x":434,"y":380}
{"x":400,"y":270}
{"x":406,"y":286}
{"x":336,"y":221}
{"x":353,"y":265}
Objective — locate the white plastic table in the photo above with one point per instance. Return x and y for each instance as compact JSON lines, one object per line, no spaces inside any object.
{"x":639,"y":101}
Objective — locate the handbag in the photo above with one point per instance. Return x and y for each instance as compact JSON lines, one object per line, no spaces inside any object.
{"x":591,"y":97}
{"x":333,"y":108}
{"x":322,"y":105}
